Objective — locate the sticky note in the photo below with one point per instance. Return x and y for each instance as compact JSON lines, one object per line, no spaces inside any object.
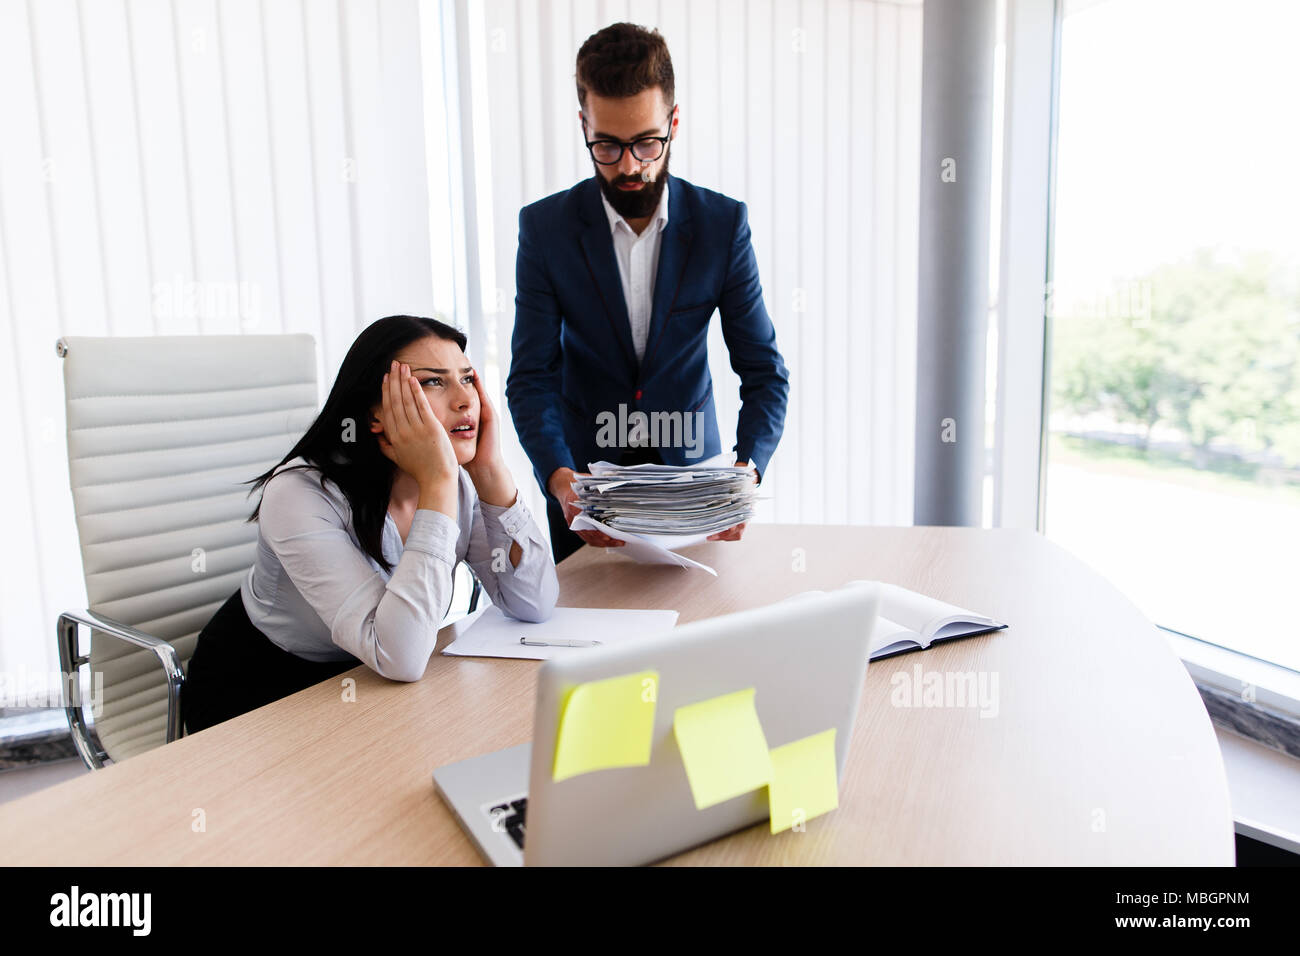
{"x":606,"y":723}
{"x":723,"y":747}
{"x":804,"y":781}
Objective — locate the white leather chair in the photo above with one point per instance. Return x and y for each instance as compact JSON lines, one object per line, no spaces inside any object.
{"x":162,"y":431}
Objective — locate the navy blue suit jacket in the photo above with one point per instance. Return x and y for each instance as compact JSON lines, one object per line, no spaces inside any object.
{"x":572,"y":353}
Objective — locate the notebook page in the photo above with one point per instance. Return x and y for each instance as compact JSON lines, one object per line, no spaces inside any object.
{"x":912,"y":610}
{"x":890,"y":637}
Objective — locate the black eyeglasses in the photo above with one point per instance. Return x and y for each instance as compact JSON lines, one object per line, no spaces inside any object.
{"x":645,"y":149}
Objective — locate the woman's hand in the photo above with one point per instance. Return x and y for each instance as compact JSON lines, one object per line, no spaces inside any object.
{"x":487,"y":469}
{"x":413,"y":438}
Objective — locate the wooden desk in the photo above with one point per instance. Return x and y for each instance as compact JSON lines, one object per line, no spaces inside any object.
{"x":1100,"y":752}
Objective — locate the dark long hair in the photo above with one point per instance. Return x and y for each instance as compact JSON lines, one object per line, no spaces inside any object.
{"x":339,"y":442}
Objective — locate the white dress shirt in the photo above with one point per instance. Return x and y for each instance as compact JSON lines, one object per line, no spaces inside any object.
{"x":638,"y":261}
{"x":315,"y":593}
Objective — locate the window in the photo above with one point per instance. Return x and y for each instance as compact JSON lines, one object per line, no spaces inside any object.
{"x":1173,"y":459}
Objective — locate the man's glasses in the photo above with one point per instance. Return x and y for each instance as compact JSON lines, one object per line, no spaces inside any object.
{"x":645,"y":149}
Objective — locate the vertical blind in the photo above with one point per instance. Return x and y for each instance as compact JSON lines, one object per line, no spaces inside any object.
{"x":188,"y":167}
{"x":809,"y":112}
{"x":259,"y":166}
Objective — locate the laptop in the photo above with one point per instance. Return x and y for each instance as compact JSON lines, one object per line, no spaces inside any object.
{"x":805,"y":657}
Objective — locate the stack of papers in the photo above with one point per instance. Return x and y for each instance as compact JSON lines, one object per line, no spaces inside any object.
{"x":678,"y":501}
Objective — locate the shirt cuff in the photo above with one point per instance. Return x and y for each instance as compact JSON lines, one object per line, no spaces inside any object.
{"x":513,"y":520}
{"x":548,"y":463}
{"x":433,"y":533}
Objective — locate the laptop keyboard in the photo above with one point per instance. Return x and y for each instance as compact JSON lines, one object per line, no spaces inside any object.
{"x":508,"y":818}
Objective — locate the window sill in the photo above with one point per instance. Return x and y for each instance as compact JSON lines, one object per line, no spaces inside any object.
{"x":1255,"y":708}
{"x":1264,"y":787}
{"x":1249,"y":680}
{"x":34,"y":737}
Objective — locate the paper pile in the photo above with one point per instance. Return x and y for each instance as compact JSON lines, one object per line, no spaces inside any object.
{"x":673,"y":500}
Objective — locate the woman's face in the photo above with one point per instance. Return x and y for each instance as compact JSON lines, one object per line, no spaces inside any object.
{"x":444,"y":373}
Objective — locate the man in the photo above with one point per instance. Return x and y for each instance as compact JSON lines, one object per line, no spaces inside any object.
{"x":617,"y":280}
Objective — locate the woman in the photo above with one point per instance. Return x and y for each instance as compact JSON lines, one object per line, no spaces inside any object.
{"x":359,"y":530}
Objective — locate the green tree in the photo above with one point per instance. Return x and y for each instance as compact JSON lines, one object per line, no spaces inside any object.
{"x":1215,"y":355}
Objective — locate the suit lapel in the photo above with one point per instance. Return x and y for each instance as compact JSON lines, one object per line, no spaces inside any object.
{"x":674,"y":252}
{"x":598,"y":250}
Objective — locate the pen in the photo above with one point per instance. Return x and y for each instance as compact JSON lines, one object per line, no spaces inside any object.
{"x":524,"y":640}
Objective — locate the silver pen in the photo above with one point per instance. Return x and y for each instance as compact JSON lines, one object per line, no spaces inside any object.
{"x":524,"y":640}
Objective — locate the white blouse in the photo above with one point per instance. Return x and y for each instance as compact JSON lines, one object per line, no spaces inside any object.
{"x":315,"y":593}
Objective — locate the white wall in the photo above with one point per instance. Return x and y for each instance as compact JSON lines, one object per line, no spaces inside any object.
{"x":189,"y":166}
{"x":810,"y":113}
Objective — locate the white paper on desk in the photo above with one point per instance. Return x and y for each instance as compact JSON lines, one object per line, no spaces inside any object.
{"x":489,"y":633}
{"x":647,"y":549}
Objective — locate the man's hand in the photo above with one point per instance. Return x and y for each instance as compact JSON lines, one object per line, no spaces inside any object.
{"x":560,"y":485}
{"x":734,"y":533}
{"x":731,"y":534}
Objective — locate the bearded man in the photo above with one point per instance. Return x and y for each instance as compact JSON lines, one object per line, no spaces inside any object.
{"x":617,"y":281}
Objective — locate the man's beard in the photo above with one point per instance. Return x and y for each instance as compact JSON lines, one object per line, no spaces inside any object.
{"x":638,"y":203}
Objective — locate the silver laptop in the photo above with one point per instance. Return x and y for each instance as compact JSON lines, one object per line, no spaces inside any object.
{"x":806,"y":658}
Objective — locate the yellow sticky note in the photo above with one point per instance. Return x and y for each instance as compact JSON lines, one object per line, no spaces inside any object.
{"x":804,"y":781}
{"x":606,"y":723}
{"x":723,"y":747}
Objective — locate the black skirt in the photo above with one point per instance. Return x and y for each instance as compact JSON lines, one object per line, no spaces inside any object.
{"x":236,"y":668}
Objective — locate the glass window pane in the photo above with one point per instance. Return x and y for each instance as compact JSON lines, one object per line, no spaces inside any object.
{"x":1174,"y":416}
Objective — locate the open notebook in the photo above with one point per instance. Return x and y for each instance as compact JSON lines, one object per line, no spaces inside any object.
{"x":910,"y":621}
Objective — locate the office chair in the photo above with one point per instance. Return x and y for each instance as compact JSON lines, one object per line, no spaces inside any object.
{"x":162,"y":433}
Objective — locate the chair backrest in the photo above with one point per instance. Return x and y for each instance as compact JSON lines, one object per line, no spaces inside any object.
{"x":162,"y":433}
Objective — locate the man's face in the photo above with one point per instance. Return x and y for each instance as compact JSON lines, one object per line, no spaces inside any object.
{"x":632,"y":186}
